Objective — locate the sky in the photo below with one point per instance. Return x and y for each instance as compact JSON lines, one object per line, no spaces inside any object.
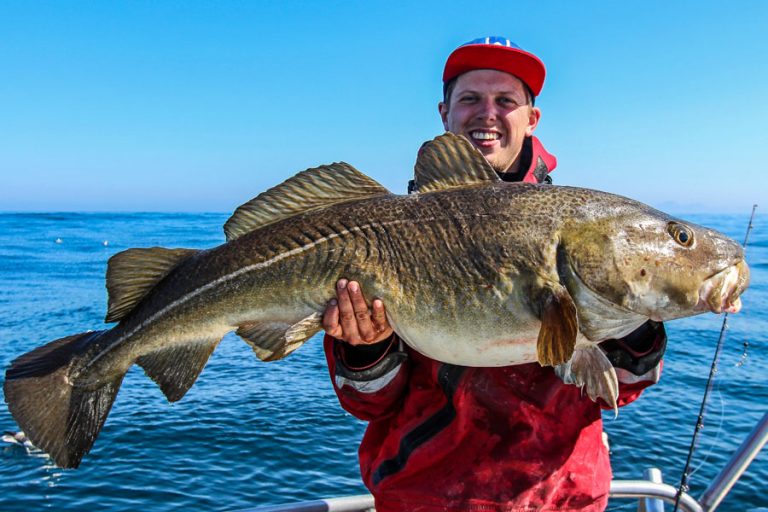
{"x":201,"y":105}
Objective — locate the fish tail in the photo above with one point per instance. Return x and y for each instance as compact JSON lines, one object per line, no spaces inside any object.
{"x":58,"y":415}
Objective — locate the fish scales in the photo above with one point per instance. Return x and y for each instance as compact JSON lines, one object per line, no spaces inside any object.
{"x":200,"y":289}
{"x":473,"y":271}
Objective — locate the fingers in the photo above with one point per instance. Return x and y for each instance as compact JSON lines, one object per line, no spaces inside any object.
{"x":379,"y":317}
{"x":331,"y":319}
{"x":349,"y":318}
{"x":353,"y":313}
{"x":363,"y":315}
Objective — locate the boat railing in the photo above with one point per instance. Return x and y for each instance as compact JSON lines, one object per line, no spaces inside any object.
{"x":650,"y":492}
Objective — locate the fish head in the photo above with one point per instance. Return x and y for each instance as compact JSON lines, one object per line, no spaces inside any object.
{"x":653,"y":265}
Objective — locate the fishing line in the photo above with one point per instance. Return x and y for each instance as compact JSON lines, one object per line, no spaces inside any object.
{"x":713,"y":444}
{"x":743,"y":355}
{"x":719,"y":394}
{"x":684,"y":478}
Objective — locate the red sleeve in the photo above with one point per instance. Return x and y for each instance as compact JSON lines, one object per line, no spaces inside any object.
{"x":369,"y":393}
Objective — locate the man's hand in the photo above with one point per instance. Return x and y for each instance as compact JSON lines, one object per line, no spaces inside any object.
{"x":348,"y":317}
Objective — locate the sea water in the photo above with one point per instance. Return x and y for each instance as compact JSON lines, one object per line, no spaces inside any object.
{"x":250,"y":433}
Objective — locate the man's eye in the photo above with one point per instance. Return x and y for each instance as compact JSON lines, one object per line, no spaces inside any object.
{"x":508,"y":102}
{"x":468,"y":99}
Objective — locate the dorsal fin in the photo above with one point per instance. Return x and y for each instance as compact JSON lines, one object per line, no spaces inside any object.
{"x":133,"y":273}
{"x":450,"y":161}
{"x":309,"y":190}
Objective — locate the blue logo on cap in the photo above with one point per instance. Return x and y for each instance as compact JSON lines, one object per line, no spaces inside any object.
{"x":496,"y":40}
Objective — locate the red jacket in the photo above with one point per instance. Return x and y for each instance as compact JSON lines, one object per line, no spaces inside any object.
{"x":444,"y":437}
{"x":447,"y":438}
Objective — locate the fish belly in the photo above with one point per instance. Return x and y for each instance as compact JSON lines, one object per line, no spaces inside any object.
{"x":485,"y":343}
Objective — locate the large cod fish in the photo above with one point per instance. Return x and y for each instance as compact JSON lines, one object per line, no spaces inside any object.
{"x":473,"y":271}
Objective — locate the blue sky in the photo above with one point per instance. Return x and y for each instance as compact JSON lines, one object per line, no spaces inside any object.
{"x":199,"y":106}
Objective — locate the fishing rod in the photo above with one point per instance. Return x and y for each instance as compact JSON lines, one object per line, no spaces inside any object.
{"x":684,"y":478}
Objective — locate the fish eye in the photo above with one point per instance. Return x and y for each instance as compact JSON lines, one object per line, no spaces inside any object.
{"x":682,"y":234}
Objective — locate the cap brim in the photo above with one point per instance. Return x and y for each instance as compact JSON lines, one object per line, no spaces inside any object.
{"x":526,"y":66}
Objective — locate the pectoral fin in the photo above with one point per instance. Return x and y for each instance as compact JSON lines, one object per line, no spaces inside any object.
{"x":275,"y":340}
{"x":590,"y":369}
{"x":559,"y":327}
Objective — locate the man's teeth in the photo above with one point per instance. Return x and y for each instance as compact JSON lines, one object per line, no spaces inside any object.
{"x":485,"y":135}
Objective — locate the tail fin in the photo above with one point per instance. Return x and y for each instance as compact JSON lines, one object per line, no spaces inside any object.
{"x":58,"y":416}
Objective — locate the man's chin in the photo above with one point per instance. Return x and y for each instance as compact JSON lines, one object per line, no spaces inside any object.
{"x":500,"y":165}
{"x":494,"y":154}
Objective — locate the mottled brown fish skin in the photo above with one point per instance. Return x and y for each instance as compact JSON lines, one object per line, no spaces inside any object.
{"x":478,"y":275}
{"x":415,"y":250}
{"x":407,"y":250}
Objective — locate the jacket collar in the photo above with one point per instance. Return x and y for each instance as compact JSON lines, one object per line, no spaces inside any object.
{"x":536,"y":163}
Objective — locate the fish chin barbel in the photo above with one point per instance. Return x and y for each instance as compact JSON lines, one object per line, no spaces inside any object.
{"x":721,"y":293}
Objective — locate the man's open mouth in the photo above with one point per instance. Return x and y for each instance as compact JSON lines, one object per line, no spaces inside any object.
{"x":484,"y":135}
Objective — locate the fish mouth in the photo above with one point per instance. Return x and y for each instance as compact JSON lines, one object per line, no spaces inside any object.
{"x":721,"y":292}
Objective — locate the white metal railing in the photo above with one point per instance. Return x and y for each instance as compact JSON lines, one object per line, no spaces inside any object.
{"x":649,"y":493}
{"x":736,"y":467}
{"x":362,"y":503}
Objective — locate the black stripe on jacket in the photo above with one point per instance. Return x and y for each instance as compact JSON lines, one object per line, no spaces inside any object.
{"x":448,"y":377}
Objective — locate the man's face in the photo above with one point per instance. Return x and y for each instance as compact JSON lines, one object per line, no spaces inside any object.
{"x":490,"y":108}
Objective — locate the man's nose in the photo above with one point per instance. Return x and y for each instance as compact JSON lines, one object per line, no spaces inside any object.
{"x":486,"y":109}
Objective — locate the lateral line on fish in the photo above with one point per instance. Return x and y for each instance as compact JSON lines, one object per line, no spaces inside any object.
{"x":237,"y":273}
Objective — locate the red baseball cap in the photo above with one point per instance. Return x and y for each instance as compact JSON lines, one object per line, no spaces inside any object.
{"x":497,"y":53}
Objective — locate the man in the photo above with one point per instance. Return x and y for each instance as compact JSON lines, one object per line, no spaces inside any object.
{"x":445,"y":437}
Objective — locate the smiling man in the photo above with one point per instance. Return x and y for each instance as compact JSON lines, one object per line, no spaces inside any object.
{"x":443,"y":437}
{"x":489,"y":89}
{"x":493,"y":110}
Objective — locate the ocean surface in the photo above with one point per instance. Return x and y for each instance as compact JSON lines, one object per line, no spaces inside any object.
{"x":251,"y":433}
